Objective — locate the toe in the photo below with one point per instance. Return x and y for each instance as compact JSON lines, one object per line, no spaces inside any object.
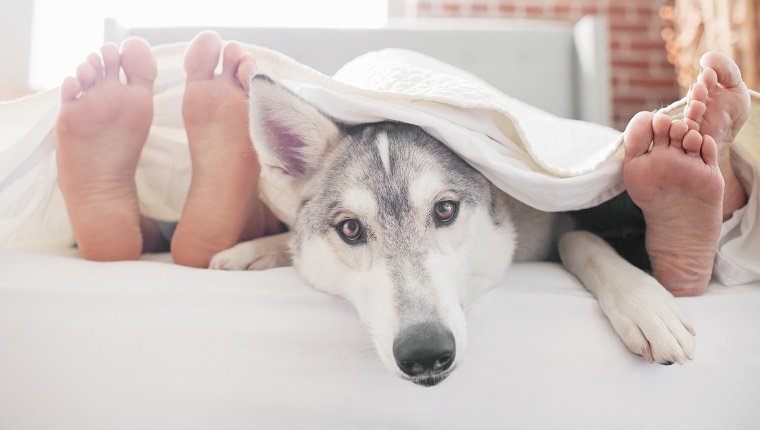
{"x":693,"y":112}
{"x":231,"y":59}
{"x":94,"y":61}
{"x":681,"y":333}
{"x":202,"y":55}
{"x":111,"y":60}
{"x":661,"y":128}
{"x":632,"y":336}
{"x":86,"y":75}
{"x":709,"y":78}
{"x":676,"y":310}
{"x":692,"y":143}
{"x":698,"y":91}
{"x":678,"y":130}
{"x":70,"y":88}
{"x":665,"y":347}
{"x":138,"y":62}
{"x":638,"y":135}
{"x":246,"y":70}
{"x":709,"y":151}
{"x":726,"y":71}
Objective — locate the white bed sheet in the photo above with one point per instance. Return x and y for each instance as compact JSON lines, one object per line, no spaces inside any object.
{"x":150,"y":345}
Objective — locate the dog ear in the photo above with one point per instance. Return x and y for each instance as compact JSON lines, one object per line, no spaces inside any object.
{"x":289,"y":134}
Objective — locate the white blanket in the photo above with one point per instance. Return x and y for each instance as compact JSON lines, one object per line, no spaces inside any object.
{"x":550,"y":163}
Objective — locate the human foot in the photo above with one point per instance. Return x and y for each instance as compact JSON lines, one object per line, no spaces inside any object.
{"x":101,"y":129}
{"x":222,"y":206}
{"x":672,"y":174}
{"x":718,"y":105}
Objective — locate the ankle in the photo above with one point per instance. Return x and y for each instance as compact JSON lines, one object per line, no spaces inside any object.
{"x":261,"y":223}
{"x":734,"y":198}
{"x":734,"y":195}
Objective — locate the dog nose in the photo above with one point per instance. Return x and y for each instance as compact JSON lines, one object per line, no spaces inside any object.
{"x":427,"y":348}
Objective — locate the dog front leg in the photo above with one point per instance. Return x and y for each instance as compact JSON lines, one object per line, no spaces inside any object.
{"x":258,"y":254}
{"x":642,"y":312}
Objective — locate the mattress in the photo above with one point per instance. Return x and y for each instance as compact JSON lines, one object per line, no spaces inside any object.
{"x":151,"y":345}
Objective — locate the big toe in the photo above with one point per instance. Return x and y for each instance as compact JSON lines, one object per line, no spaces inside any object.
{"x":638,"y":135}
{"x":202,"y":55}
{"x":138,"y":62}
{"x":727,"y":71}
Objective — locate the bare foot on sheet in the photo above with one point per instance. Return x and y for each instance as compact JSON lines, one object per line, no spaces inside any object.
{"x":718,"y":105}
{"x":222,"y":207}
{"x":672,"y":174}
{"x":101,"y":129}
{"x":684,"y":182}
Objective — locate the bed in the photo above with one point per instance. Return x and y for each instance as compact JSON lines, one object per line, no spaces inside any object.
{"x":147,"y":344}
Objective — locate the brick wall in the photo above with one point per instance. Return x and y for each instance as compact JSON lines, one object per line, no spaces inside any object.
{"x":642,"y":78}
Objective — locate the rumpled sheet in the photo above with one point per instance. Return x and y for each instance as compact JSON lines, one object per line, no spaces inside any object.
{"x":550,"y":163}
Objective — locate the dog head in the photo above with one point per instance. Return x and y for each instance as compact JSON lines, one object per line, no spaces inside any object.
{"x":387,"y":217}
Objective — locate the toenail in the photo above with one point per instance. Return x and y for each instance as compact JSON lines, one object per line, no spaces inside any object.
{"x":666,"y":363}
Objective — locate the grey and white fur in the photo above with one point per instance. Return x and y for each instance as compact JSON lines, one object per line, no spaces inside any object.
{"x":389,"y":218}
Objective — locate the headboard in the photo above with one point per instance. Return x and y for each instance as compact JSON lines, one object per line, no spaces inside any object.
{"x":556,"y":66}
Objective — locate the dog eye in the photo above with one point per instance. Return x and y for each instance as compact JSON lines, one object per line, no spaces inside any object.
{"x":445,"y":212}
{"x":351,"y":231}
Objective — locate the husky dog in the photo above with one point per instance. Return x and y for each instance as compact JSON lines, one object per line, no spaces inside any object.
{"x":389,"y":218}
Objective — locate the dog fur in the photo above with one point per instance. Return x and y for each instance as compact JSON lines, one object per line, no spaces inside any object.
{"x":410,"y":269}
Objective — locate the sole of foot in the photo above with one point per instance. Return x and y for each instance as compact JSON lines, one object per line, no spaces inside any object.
{"x":718,"y":105}
{"x":101,"y":129}
{"x":222,"y":206}
{"x":672,"y":174}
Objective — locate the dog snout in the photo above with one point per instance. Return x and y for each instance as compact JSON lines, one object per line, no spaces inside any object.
{"x":424,"y":351}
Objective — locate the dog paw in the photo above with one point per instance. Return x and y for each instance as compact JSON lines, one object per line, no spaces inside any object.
{"x":651,"y":324}
{"x":252,"y":255}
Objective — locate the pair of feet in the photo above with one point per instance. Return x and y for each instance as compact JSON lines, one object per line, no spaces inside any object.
{"x":679,"y":173}
{"x":102,"y":127}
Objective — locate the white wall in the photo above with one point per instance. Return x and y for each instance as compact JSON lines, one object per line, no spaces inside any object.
{"x":15,"y":41}
{"x":59,"y":44}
